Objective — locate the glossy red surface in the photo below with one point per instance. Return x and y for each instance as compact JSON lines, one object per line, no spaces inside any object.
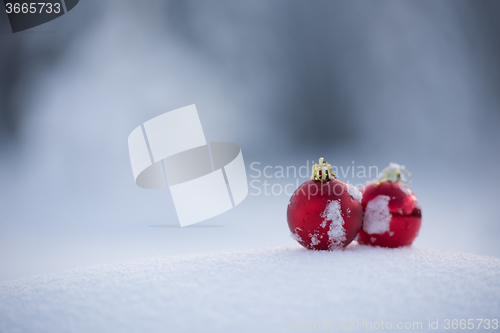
{"x":406,"y":215}
{"x":306,"y":209}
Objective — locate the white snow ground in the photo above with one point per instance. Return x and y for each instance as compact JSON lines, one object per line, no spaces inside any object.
{"x":267,"y":290}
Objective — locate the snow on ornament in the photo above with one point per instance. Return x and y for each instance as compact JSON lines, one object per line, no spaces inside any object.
{"x":392,"y":214}
{"x":324,"y":213}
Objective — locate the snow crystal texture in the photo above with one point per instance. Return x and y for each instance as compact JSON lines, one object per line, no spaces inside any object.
{"x":354,"y":193}
{"x":377,"y":216}
{"x":256,"y":291}
{"x":295,"y":237}
{"x":314,"y":239}
{"x":336,"y":232}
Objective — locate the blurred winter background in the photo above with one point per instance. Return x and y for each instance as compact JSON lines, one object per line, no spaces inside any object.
{"x":412,"y":82}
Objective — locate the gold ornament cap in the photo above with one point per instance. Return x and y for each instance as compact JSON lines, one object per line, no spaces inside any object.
{"x":322,"y":171}
{"x":394,"y":173}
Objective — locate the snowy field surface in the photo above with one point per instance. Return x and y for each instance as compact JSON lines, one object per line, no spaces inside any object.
{"x":267,"y":290}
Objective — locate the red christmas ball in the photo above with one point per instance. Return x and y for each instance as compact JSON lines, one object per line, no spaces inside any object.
{"x":392,"y":214}
{"x":324,"y":213}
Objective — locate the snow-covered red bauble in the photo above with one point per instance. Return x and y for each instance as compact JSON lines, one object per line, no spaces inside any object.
{"x":325,"y":213}
{"x":392,"y":214}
